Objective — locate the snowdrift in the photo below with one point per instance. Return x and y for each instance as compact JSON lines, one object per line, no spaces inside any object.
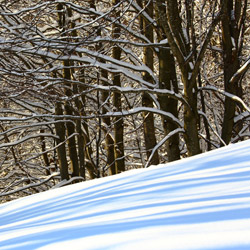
{"x":202,"y":202}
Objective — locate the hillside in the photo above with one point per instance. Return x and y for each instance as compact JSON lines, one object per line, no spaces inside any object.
{"x":202,"y":202}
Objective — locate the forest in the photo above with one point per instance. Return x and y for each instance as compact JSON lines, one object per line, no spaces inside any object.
{"x":92,"y":88}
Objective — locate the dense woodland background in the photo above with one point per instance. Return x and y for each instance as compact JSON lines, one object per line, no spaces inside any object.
{"x":94,"y":88}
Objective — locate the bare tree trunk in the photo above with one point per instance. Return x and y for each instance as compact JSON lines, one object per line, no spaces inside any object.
{"x":61,"y":150}
{"x":79,"y":109}
{"x":80,"y":138}
{"x":118,"y":125}
{"x":168,"y":80}
{"x":88,"y":152}
{"x":189,"y":66}
{"x":44,"y":153}
{"x":191,"y":120}
{"x":231,"y":28}
{"x":68,"y":110}
{"x":148,"y":125}
{"x":109,"y":140}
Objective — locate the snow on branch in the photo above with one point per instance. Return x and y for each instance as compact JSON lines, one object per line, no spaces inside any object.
{"x":37,"y":124}
{"x":176,"y":131}
{"x":111,"y":64}
{"x":137,"y":110}
{"x":233,"y":97}
{"x":124,"y":90}
{"x":30,"y":185}
{"x":240,"y":72}
{"x":67,"y":182}
{"x":26,"y":138}
{"x":242,"y":116}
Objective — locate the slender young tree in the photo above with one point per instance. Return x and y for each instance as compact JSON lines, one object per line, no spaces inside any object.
{"x":168,"y":80}
{"x":118,"y":121}
{"x":148,"y":60}
{"x":61,"y":149}
{"x":63,"y":14}
{"x":105,"y":96}
{"x":233,"y":29}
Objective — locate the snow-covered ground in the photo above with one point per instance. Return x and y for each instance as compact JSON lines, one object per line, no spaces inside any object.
{"x":202,"y":202}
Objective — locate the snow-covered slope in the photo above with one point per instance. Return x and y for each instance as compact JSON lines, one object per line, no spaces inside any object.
{"x":198,"y":203}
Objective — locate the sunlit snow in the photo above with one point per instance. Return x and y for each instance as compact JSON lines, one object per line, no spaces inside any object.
{"x":202,"y":202}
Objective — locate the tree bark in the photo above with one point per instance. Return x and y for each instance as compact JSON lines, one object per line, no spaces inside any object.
{"x":118,"y":122}
{"x":148,"y":59}
{"x":80,"y":138}
{"x":88,"y":151}
{"x":44,"y":153}
{"x":168,"y":80}
{"x":230,"y":40}
{"x":109,"y":140}
{"x":180,"y":46}
{"x":67,"y":107}
{"x":61,"y":150}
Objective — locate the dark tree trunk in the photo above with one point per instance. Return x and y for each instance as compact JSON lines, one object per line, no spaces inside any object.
{"x":231,"y":28}
{"x":61,"y":150}
{"x":191,"y":121}
{"x":189,"y":65}
{"x":168,"y":80}
{"x":109,"y":140}
{"x":118,"y":122}
{"x":88,"y":152}
{"x":148,"y":125}
{"x":80,"y":138}
{"x":44,"y":153}
{"x":68,"y":92}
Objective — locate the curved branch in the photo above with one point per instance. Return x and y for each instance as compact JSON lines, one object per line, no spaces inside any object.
{"x":233,"y":97}
{"x":176,"y":131}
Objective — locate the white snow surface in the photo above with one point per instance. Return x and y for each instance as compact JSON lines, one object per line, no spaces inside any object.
{"x":202,"y":202}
